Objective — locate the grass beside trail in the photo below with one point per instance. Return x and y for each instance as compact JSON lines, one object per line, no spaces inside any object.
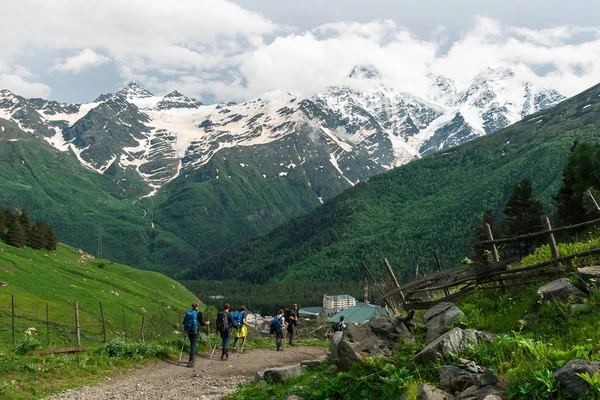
{"x":37,"y":277}
{"x":534,"y":340}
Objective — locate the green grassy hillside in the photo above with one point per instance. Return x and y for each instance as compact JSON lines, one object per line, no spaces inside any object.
{"x":411,"y":211}
{"x":39,"y":277}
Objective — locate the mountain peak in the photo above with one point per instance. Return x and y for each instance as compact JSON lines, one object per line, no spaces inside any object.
{"x":176,"y":99}
{"x":175,"y":93}
{"x":494,"y":74}
{"x":133,"y":90}
{"x":364,"y":72}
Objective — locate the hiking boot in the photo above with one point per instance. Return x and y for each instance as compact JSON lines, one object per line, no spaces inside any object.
{"x":190,"y":364}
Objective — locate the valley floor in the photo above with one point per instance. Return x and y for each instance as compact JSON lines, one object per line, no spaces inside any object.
{"x":209,"y":379}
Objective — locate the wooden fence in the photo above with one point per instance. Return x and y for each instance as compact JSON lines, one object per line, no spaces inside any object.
{"x":452,"y":284}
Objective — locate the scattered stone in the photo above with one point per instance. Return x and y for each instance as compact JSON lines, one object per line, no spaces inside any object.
{"x":573,"y":384}
{"x":260,"y":375}
{"x":334,"y":342}
{"x":428,"y":392}
{"x":577,"y":308}
{"x":3,"y":283}
{"x":480,"y":393}
{"x":142,"y":309}
{"x":310,"y":364}
{"x":292,"y":397}
{"x":458,"y":379}
{"x":439,"y":318}
{"x":559,"y":289}
{"x":454,"y":342}
{"x":590,"y":275}
{"x":348,"y":355}
{"x":281,"y":374}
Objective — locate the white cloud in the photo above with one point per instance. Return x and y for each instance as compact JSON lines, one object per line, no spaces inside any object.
{"x":17,"y":84}
{"x":218,"y":48}
{"x":86,"y":59}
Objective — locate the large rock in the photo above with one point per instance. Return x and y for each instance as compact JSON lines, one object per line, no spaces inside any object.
{"x":334,"y":342}
{"x":458,"y":379}
{"x":454,"y":342}
{"x":567,"y":376}
{"x":281,"y":374}
{"x":348,"y":355}
{"x":560,"y":289}
{"x":428,"y":392}
{"x":590,"y":275}
{"x":439,"y":317}
{"x":481,"y":393}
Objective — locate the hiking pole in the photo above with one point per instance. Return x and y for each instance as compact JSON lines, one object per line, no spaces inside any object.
{"x":182,"y":344}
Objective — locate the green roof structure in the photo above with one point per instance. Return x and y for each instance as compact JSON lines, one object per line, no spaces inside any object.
{"x":360,"y":313}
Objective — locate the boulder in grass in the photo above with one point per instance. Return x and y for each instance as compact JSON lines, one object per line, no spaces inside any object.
{"x":281,"y":374}
{"x":439,"y":318}
{"x":428,"y":392}
{"x":480,"y":393}
{"x":452,"y":342}
{"x":573,"y":384}
{"x":590,"y":275}
{"x":561,"y":290}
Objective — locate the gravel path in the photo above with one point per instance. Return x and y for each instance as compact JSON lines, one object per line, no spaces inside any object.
{"x":209,"y":379}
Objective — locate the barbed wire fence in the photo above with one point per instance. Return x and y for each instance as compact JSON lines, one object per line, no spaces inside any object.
{"x":84,"y":323}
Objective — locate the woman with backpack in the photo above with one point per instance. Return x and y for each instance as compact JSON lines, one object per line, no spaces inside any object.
{"x":224,"y":326}
{"x":276,"y":327}
{"x":240,"y":329}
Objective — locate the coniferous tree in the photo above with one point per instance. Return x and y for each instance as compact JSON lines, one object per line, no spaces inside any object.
{"x":3,"y":222}
{"x":24,"y":221}
{"x":39,"y":234}
{"x":16,"y":234}
{"x":51,"y":239}
{"x":522,"y":215}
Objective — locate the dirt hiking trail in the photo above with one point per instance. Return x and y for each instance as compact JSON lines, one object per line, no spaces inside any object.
{"x":209,"y":379}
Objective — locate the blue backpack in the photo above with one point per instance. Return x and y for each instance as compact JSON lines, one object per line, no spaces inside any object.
{"x":275,"y":325}
{"x":238,"y":318}
{"x":190,"y":321}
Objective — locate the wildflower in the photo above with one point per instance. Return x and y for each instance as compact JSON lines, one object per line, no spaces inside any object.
{"x":30,"y":331}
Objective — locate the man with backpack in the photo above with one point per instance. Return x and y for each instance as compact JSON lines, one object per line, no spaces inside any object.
{"x":276,"y":327}
{"x":192,"y":321}
{"x":240,"y":329}
{"x":224,"y":325}
{"x":292,"y":321}
{"x":339,"y":326}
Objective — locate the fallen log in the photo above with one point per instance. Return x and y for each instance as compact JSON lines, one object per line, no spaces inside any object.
{"x":56,"y":351}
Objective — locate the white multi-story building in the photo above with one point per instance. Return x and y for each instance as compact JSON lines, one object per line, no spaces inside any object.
{"x":338,"y":303}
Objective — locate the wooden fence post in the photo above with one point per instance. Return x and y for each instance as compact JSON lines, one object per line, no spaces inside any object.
{"x":77,"y":328}
{"x":124,"y":324}
{"x":13,"y":318}
{"x":551,"y":240}
{"x":47,"y":325}
{"x":417,"y":273}
{"x":439,"y":264}
{"x":162,"y":324}
{"x":394,"y":278}
{"x":103,"y":323}
{"x":490,"y":236}
{"x":142,"y":330}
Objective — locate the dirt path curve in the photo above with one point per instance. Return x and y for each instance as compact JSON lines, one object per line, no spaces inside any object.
{"x":209,"y":379}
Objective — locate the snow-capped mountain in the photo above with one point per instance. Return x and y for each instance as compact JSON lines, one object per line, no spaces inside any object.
{"x":355,"y":133}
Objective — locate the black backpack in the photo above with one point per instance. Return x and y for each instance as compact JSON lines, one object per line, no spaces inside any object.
{"x":222,"y":322}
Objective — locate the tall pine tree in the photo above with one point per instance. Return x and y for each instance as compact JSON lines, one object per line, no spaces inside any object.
{"x":24,"y":221}
{"x":39,"y":234}
{"x":16,"y":234}
{"x":522,"y":215}
{"x":51,"y":239}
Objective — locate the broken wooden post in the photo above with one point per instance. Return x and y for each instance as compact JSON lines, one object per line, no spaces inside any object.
{"x":47,"y":325}
{"x":551,"y":240}
{"x":103,"y":323}
{"x":13,"y":318}
{"x":417,"y":273}
{"x":490,"y":236}
{"x":372,"y":277}
{"x":394,"y":278}
{"x":124,"y":324}
{"x":77,"y":328}
{"x":439,"y":264}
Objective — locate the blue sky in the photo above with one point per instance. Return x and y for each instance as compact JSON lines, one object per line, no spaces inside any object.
{"x":218,"y":50}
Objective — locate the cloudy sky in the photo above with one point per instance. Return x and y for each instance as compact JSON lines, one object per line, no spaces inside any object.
{"x":219,"y":50}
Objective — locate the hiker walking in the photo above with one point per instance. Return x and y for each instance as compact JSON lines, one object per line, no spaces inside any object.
{"x":240,"y":329}
{"x":192,"y":323}
{"x":292,"y":323}
{"x":339,"y":326}
{"x":276,"y":327}
{"x":224,"y":326}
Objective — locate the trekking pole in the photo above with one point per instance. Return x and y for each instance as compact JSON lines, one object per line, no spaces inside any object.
{"x":182,"y":344}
